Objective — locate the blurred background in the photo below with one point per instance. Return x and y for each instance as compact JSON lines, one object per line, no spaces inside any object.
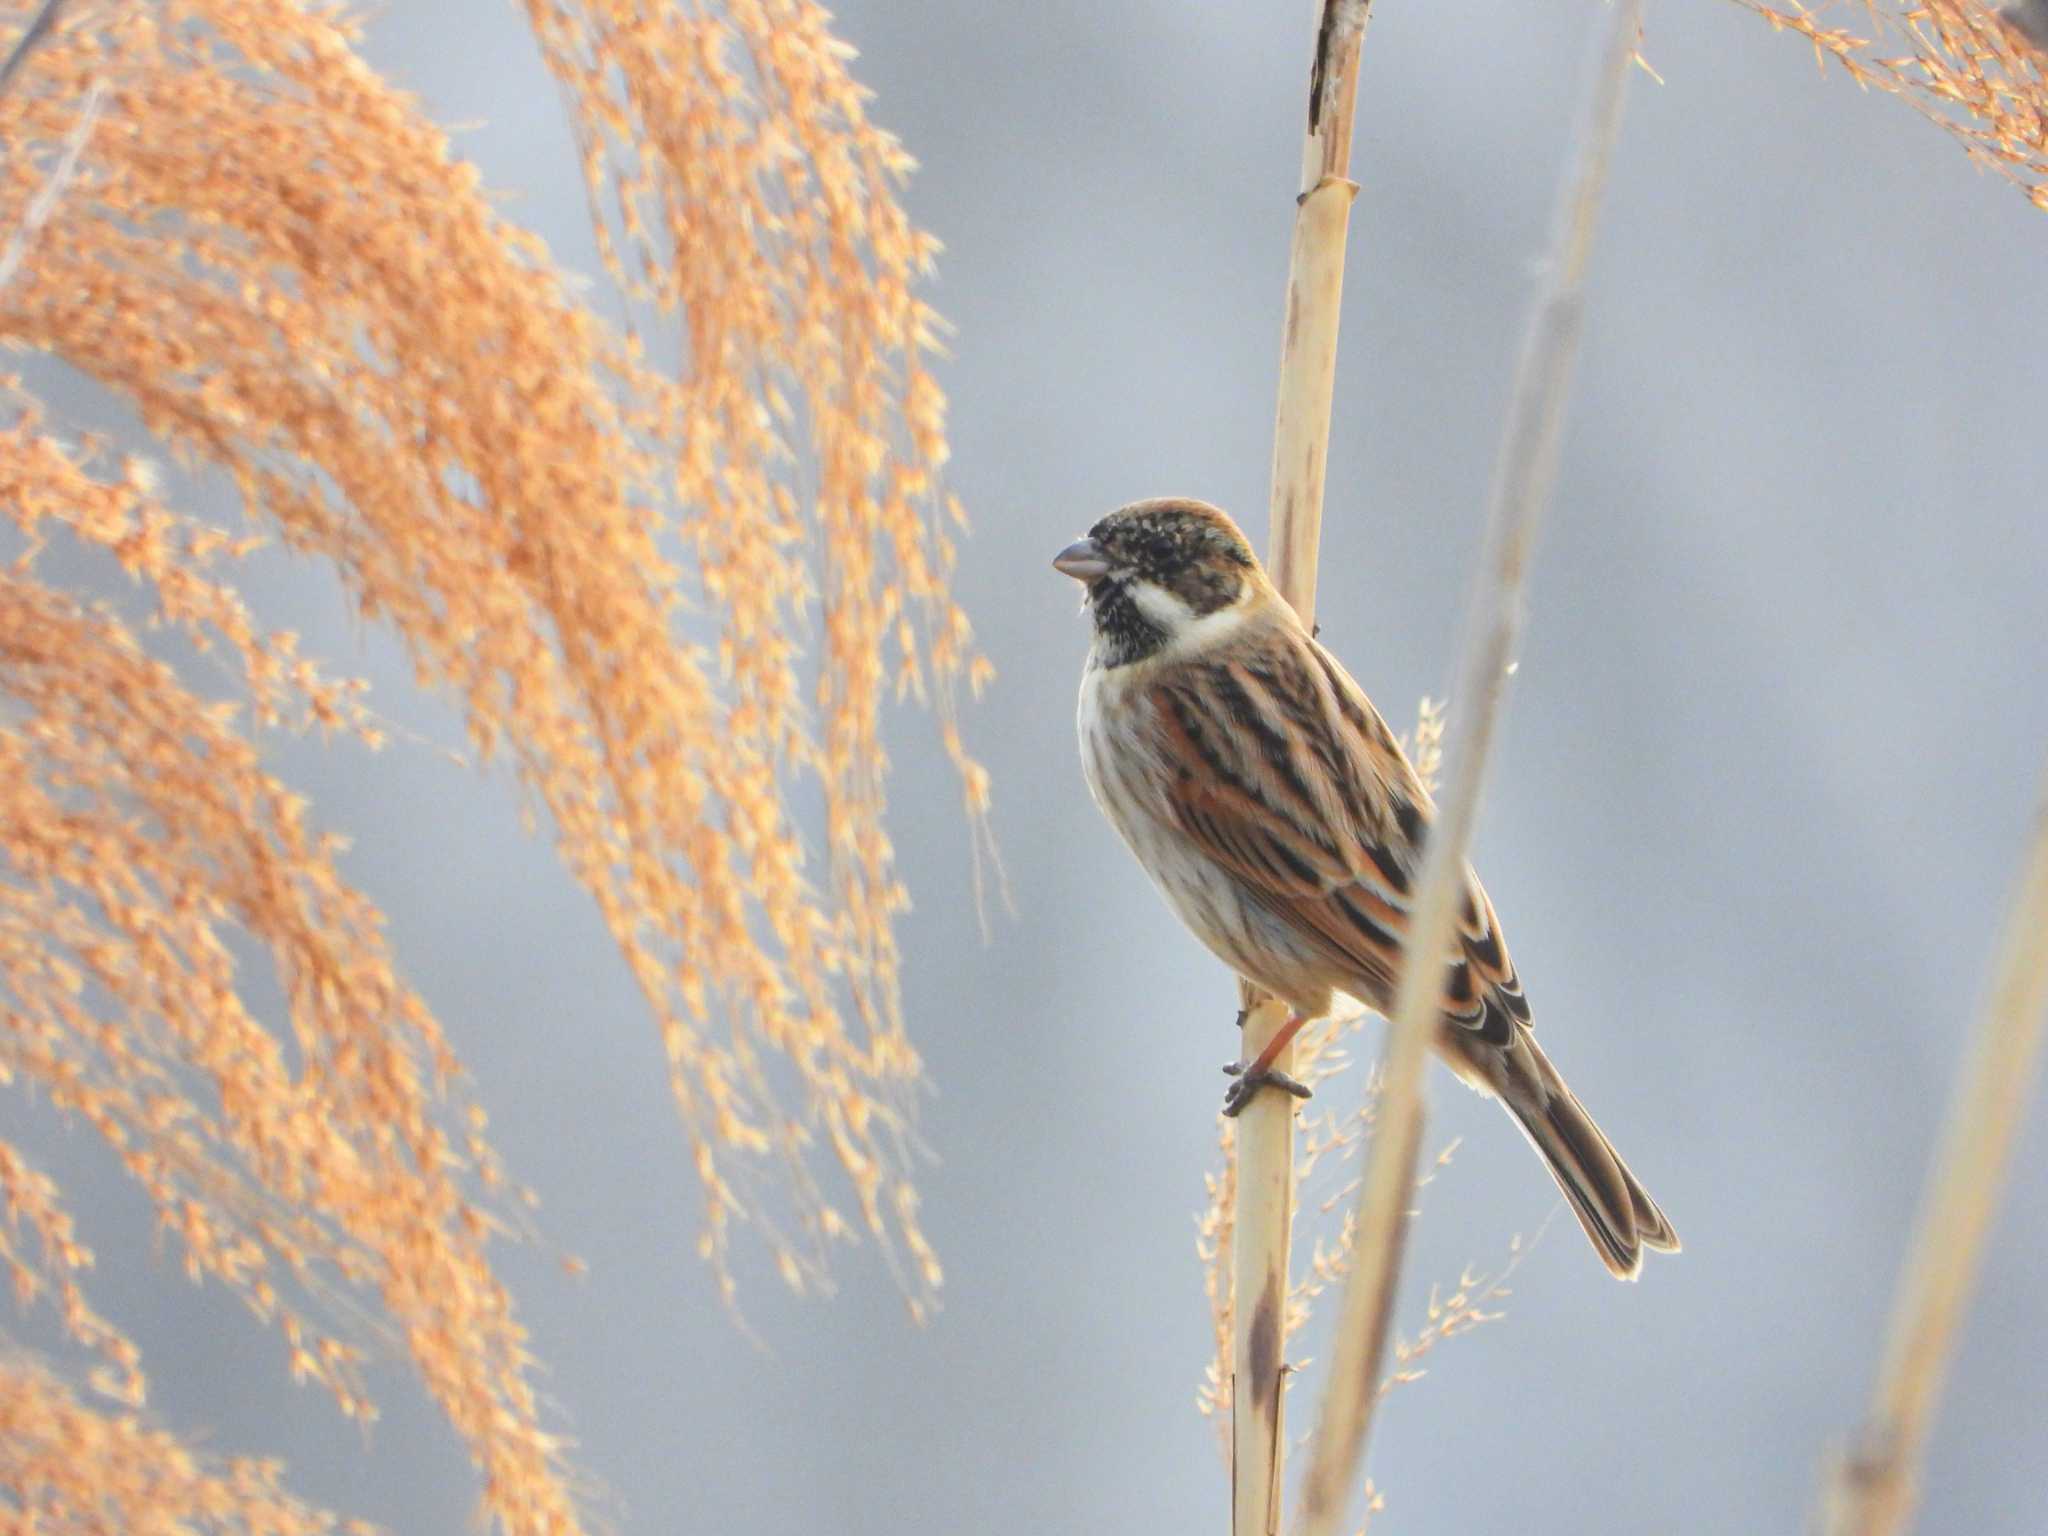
{"x":1776,"y":732}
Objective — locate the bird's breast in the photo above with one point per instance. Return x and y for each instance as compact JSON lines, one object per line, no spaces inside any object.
{"x":1119,"y":729}
{"x":1130,"y":778}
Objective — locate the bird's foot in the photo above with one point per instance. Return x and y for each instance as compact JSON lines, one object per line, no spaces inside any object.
{"x":1250,"y":1079}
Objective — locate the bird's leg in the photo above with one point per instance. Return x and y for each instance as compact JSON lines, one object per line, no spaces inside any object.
{"x":1258,"y":1072}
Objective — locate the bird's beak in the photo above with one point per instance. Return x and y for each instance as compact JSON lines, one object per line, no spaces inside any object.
{"x":1083,"y":560}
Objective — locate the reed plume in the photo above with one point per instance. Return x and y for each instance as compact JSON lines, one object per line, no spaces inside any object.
{"x":69,"y":1466}
{"x":1979,"y":73}
{"x":225,"y":218}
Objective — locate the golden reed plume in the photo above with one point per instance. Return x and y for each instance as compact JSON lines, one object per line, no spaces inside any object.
{"x":110,"y":1472}
{"x":1978,"y":70}
{"x":219,"y":213}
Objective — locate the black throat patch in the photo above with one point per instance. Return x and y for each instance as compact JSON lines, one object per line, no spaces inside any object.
{"x":1122,"y":632}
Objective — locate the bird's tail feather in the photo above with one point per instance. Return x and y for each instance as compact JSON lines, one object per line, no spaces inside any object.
{"x":1614,"y":1208}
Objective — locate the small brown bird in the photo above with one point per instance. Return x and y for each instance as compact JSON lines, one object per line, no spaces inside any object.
{"x":1273,"y":808}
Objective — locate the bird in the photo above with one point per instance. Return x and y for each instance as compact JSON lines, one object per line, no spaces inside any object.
{"x":1269,"y":803}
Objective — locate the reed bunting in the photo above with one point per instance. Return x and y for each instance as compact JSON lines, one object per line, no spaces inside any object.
{"x":1273,"y":808}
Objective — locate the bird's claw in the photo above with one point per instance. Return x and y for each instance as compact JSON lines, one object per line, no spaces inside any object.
{"x":1249,"y":1083}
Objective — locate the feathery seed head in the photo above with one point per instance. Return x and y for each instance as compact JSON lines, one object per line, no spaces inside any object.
{"x":1979,"y":71}
{"x":224,"y":217}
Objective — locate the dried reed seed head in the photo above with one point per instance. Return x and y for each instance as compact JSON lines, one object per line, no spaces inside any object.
{"x":1980,"y":73}
{"x":61,"y":1457}
{"x":280,"y":264}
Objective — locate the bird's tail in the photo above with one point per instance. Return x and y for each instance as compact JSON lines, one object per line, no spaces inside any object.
{"x":1616,"y":1211}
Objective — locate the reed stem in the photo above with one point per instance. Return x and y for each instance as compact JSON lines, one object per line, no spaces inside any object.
{"x":1523,"y":475}
{"x":1264,"y":1217}
{"x":1872,"y":1489}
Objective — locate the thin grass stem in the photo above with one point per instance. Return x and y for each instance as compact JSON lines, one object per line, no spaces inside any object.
{"x":1871,"y":1490}
{"x":1523,"y":476}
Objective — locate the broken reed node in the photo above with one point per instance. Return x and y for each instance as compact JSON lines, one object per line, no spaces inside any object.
{"x":233,"y":226}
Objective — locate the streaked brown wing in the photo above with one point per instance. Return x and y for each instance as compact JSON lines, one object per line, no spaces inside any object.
{"x":1284,"y":774}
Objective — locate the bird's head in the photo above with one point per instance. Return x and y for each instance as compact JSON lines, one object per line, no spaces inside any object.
{"x":1165,"y":573}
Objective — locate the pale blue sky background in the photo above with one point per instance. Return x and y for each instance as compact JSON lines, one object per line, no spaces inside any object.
{"x":1778,"y":723}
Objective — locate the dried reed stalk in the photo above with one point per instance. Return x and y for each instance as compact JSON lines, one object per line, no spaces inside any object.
{"x":1523,"y":475}
{"x":1871,"y":1490}
{"x":31,"y":38}
{"x":1265,"y":1133}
